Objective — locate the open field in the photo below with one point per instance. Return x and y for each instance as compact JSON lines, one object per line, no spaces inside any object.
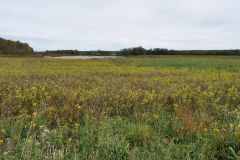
{"x":158,"y":107}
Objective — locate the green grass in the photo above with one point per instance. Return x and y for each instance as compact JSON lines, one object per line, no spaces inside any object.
{"x":229,"y":63}
{"x":148,"y":107}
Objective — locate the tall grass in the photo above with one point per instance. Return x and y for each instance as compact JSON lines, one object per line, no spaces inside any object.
{"x":133,"y":108}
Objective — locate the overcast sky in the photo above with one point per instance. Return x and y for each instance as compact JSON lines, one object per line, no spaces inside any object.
{"x":116,"y":24}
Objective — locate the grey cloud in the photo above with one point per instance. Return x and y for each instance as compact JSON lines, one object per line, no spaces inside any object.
{"x":111,"y":24}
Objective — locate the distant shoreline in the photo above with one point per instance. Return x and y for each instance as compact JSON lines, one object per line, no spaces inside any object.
{"x":83,"y":57}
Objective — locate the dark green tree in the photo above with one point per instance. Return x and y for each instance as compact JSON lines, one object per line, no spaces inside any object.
{"x":8,"y":47}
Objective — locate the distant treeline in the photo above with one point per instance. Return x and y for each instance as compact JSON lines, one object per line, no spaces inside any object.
{"x":76,"y":52}
{"x":8,"y":47}
{"x":141,"y":51}
{"x":162,"y":51}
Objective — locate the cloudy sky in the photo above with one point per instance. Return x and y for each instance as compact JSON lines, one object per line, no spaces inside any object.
{"x":116,"y":24}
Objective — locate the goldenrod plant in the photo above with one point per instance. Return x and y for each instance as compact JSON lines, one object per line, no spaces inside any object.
{"x":160,"y":107}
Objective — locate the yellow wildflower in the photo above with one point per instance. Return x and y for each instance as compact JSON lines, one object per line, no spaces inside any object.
{"x":205,"y":130}
{"x":33,"y":124}
{"x":237,"y":133}
{"x":77,"y":125}
{"x":78,"y":106}
{"x":156,"y":116}
{"x":35,"y":113}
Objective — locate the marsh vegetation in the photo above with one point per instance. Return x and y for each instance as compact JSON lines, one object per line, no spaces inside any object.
{"x":161,"y":107}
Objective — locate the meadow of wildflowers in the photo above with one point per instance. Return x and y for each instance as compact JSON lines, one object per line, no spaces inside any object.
{"x":160,"y":107}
